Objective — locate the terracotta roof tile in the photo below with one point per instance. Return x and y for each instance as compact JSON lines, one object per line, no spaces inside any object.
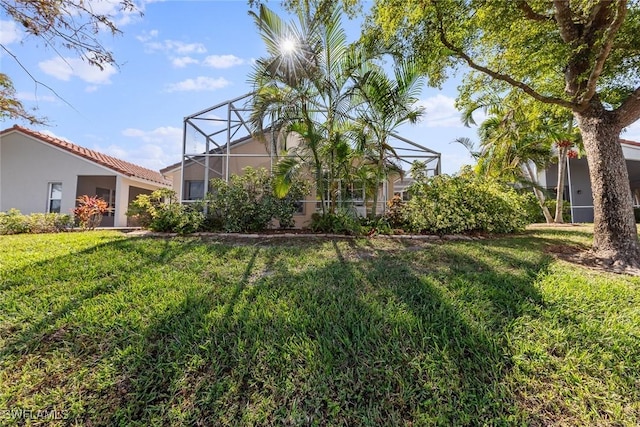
{"x":115,"y":164}
{"x":628,"y":142}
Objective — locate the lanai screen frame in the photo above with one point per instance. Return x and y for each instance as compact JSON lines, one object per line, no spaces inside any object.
{"x":234,"y":127}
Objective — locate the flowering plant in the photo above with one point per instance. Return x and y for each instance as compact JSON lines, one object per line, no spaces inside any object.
{"x":89,"y":211}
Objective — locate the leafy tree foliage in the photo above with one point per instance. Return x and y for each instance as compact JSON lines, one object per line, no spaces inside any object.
{"x":333,"y":97}
{"x":580,"y":55}
{"x":520,"y":137}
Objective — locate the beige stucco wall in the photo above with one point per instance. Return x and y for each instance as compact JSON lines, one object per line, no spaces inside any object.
{"x":27,"y":166}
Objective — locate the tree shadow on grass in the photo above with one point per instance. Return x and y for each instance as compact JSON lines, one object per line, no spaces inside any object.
{"x":350,"y":343}
{"x":379,"y":340}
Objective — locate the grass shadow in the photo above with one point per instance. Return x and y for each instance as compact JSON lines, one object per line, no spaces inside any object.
{"x":345,"y":332}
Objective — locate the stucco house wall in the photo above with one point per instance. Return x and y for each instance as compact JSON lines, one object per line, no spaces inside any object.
{"x":30,"y":162}
{"x":578,"y":189}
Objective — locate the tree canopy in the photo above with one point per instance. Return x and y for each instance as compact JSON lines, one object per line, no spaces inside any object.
{"x":559,"y":52}
{"x":577,"y":54}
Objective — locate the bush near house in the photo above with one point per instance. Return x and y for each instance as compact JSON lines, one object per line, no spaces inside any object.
{"x":89,"y":211}
{"x":246,"y":203}
{"x":460,"y":204}
{"x":14,"y":222}
{"x":161,"y":211}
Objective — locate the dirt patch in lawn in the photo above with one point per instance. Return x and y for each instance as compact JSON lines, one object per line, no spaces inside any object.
{"x":585,"y":257}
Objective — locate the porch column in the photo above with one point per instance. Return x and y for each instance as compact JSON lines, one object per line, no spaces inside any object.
{"x":122,"y":203}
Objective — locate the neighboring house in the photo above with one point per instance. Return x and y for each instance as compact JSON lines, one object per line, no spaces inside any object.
{"x":577,"y":189}
{"x":39,"y":173}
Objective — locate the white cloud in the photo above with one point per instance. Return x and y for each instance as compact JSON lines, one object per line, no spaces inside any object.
{"x":222,"y":61}
{"x":176,"y":47}
{"x":440,"y":112}
{"x":215,"y":120}
{"x":65,"y":68}
{"x":53,"y":135}
{"x":632,"y":132}
{"x":154,"y":149}
{"x":146,"y":36}
{"x":33,"y":96}
{"x":9,"y":32}
{"x":198,"y":84}
{"x":114,"y":11}
{"x":452,"y":163}
{"x":183,"y":61}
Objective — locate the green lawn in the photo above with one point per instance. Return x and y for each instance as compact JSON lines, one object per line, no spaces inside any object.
{"x":107,"y":329}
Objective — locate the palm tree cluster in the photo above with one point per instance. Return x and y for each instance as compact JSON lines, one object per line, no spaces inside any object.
{"x":518,"y":138}
{"x":331,"y":103}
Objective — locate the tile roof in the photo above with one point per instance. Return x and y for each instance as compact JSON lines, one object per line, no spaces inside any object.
{"x":220,"y":149}
{"x":117,"y":165}
{"x":628,"y":142}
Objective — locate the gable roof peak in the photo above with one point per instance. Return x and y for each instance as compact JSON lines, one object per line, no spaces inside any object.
{"x":117,"y":165}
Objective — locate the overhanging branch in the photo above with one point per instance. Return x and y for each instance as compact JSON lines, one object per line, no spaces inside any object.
{"x":503,"y":77}
{"x":629,"y":111}
{"x":529,"y":13}
{"x":36,"y":81}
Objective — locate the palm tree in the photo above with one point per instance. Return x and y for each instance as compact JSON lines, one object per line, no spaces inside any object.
{"x":302,"y":87}
{"x":513,"y":144}
{"x":386,"y":103}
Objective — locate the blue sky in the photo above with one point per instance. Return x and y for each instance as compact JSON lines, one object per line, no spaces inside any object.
{"x":180,"y":57}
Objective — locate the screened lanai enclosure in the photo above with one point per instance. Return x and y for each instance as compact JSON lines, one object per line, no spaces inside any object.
{"x":218,"y":142}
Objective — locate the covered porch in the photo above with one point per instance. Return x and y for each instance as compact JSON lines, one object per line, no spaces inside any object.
{"x":117,"y":191}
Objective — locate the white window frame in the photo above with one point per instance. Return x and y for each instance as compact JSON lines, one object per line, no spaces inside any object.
{"x":51,"y":199}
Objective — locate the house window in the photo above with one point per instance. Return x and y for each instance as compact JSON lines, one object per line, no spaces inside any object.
{"x":299,"y":207}
{"x":195,"y":190}
{"x":355,"y":193}
{"x":55,"y":197}
{"x":108,"y":196}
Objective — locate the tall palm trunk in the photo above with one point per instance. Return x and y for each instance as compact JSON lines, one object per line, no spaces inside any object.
{"x":562,"y":171}
{"x":539,"y":195}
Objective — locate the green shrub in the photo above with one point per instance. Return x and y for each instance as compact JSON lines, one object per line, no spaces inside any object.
{"x":13,"y":222}
{"x":341,"y":222}
{"x":248,"y":202}
{"x":244,"y":203}
{"x":376,"y":225}
{"x":533,"y":212}
{"x":144,"y":208}
{"x":396,"y":214}
{"x":467,"y":203}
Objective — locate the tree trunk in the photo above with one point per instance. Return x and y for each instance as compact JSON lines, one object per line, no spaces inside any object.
{"x":615,"y":238}
{"x":539,"y":195}
{"x":562,"y":171}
